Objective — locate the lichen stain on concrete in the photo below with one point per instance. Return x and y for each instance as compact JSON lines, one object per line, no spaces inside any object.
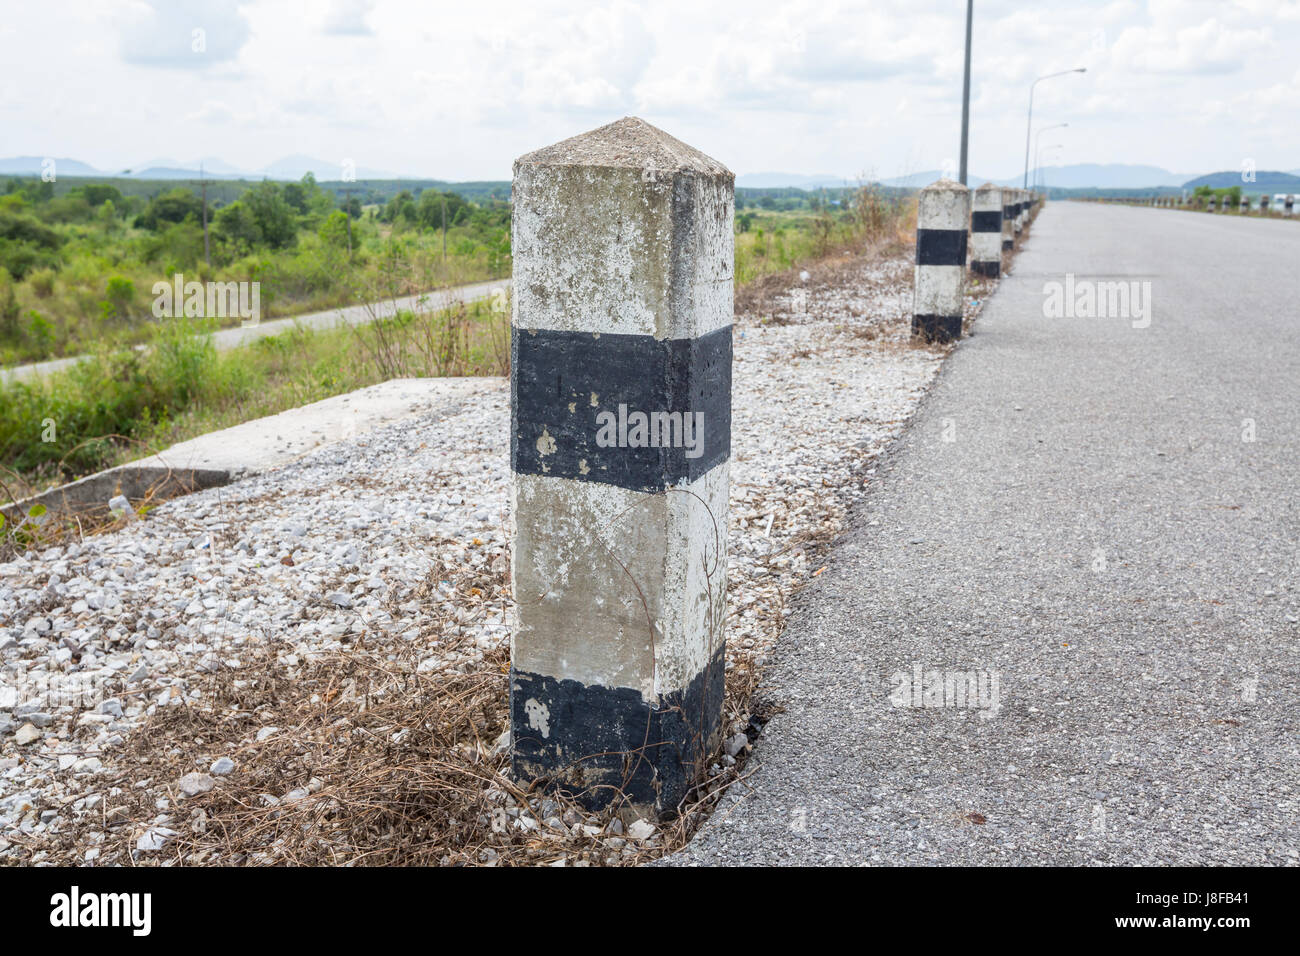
{"x":545,"y":444}
{"x":582,"y":467}
{"x":595,"y":400}
{"x":539,"y":717}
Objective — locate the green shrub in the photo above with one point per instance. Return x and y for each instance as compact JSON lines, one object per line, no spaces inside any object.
{"x":118,"y":298}
{"x":40,"y":332}
{"x":41,"y":282}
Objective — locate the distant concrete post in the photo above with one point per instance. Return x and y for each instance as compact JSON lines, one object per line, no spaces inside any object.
{"x":620,"y":442}
{"x":1263,"y":204}
{"x":986,"y":231}
{"x":1020,"y":211}
{"x":1212,"y":202}
{"x":1245,"y":204}
{"x":942,"y":218}
{"x":1008,"y":218}
{"x":1289,"y":208}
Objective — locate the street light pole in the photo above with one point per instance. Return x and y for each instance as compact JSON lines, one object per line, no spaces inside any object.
{"x":1029,"y":124}
{"x":965,"y":97}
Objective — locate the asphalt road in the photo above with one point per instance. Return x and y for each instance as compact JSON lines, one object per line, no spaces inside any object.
{"x":1101,"y":537}
{"x":350,"y":315}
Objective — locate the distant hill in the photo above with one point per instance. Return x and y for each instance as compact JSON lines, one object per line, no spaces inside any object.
{"x":1102,"y":176}
{"x":924,"y":178}
{"x":792,"y":180}
{"x":31,"y":165}
{"x":1077,"y":176}
{"x":1264,"y":179}
{"x":290,"y":167}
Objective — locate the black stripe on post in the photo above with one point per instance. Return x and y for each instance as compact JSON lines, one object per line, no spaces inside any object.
{"x":937,"y":328}
{"x":941,"y":247}
{"x":601,"y":722}
{"x":986,"y":220}
{"x":567,"y":389}
{"x":991,"y":269}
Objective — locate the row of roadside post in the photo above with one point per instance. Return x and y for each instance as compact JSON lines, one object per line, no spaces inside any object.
{"x":947,"y":213}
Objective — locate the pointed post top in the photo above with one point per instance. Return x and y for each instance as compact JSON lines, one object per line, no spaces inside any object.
{"x":945,"y":184}
{"x":629,"y":143}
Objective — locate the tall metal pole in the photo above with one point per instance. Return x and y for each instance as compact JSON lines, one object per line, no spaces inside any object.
{"x":204,"y":182}
{"x":1029,"y":125}
{"x":965,"y":97}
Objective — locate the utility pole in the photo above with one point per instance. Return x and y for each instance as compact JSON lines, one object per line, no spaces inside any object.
{"x":347,"y":213}
{"x":203,"y":181}
{"x":965,"y":97}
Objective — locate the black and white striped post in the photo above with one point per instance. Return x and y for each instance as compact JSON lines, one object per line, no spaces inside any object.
{"x":1289,"y":207}
{"x":1245,"y":205}
{"x":942,"y":218}
{"x":1020,"y":211}
{"x":1008,"y":218}
{"x":620,"y":442}
{"x":986,"y":231}
{"x":1263,"y":205}
{"x":1212,"y":204}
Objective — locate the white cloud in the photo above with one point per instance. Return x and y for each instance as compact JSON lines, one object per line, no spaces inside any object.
{"x":189,"y":34}
{"x":459,"y":90}
{"x":1209,"y":47}
{"x":347,"y":18}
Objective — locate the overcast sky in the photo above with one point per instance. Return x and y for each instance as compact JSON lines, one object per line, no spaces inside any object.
{"x":458,"y":90}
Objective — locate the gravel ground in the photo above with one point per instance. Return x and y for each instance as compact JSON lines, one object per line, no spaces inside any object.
{"x":1101,"y":515}
{"x":350,"y":544}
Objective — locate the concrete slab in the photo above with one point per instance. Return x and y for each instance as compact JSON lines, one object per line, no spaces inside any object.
{"x":264,"y":443}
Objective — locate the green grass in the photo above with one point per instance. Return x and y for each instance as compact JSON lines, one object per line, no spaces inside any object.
{"x":102,"y":294}
{"x":772,"y":242}
{"x":118,"y":405}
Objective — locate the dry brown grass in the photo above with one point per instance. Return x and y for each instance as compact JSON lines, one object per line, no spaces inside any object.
{"x":399,"y":765}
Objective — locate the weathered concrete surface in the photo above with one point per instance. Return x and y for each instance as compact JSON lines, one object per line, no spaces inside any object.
{"x":353,"y":315}
{"x":942,"y":224}
{"x":220,"y":457}
{"x":628,"y":231}
{"x":1100,"y":535}
{"x":623,"y":258}
{"x":619,"y":588}
{"x":986,"y":244}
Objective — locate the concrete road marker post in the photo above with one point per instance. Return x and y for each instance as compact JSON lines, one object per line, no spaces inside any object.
{"x":942,"y":220}
{"x":1263,"y":205}
{"x":1008,"y":218}
{"x":986,"y":231}
{"x":620,"y":443}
